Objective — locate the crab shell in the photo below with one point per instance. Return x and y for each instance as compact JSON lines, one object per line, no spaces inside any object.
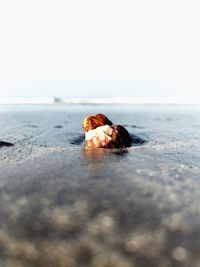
{"x":92,"y":122}
{"x":100,"y":132}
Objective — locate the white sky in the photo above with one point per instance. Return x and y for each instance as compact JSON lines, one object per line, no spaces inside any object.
{"x":99,"y":48}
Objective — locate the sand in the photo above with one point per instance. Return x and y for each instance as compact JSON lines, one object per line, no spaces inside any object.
{"x":64,"y":205}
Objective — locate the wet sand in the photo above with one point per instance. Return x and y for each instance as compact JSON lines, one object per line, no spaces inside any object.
{"x":64,"y":205}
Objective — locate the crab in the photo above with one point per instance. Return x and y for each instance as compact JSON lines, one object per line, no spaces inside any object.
{"x":100,"y":132}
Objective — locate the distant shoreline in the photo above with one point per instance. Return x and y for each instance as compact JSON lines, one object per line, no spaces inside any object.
{"x":99,"y":101}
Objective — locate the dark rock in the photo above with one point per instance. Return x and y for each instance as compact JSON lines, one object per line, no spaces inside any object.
{"x":2,"y":144}
{"x":58,"y":126}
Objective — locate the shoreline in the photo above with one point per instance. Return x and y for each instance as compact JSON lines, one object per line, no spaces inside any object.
{"x":100,"y":101}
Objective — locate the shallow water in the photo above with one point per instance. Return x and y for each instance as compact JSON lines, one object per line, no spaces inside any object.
{"x":65,"y":205}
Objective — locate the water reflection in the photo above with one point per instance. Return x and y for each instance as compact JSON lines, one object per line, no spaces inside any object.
{"x":101,"y":153}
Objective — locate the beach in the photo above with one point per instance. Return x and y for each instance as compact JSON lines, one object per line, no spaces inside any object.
{"x":62,"y":204}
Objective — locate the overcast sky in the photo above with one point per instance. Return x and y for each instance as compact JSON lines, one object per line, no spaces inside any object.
{"x":104,"y":48}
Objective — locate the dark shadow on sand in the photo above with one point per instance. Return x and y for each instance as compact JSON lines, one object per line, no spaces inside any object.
{"x":136,"y":140}
{"x":78,"y":140}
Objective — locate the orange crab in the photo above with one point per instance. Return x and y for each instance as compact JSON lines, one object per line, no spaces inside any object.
{"x":100,"y":132}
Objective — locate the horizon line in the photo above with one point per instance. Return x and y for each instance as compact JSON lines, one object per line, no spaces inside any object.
{"x":98,"y":101}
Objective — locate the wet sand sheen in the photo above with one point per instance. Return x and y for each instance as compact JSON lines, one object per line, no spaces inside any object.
{"x":65,"y":205}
